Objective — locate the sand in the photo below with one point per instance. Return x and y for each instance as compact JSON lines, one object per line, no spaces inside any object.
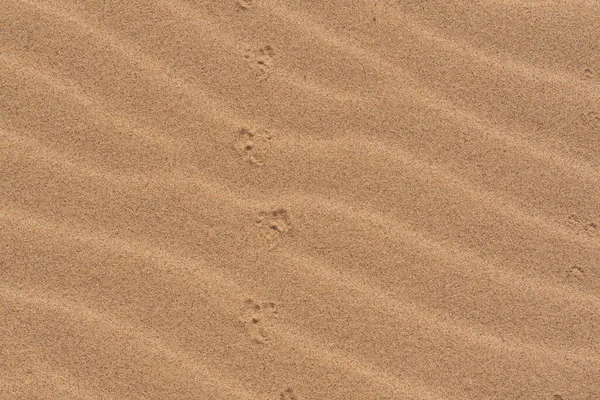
{"x":300,"y":200}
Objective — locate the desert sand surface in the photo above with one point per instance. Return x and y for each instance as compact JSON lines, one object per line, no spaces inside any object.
{"x":300,"y":200}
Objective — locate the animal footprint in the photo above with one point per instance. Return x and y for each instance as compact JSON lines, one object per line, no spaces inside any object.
{"x":257,"y":318}
{"x":273,"y":225}
{"x":591,"y":73}
{"x":245,"y":4}
{"x":261,"y":59}
{"x":576,"y":272}
{"x":591,"y":229}
{"x":288,"y":394}
{"x":573,"y":221}
{"x":592,"y":119}
{"x":253,"y":144}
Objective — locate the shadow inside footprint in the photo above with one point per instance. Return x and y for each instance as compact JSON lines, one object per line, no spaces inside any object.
{"x":288,"y":394}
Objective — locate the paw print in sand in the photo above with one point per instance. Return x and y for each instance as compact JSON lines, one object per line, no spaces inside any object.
{"x":588,"y":228}
{"x":577,"y":273}
{"x":273,"y":225}
{"x":288,"y":394}
{"x":590,"y":74}
{"x":261,"y":59}
{"x":246,"y":4}
{"x":253,"y":145}
{"x":257,"y":318}
{"x":590,"y":120}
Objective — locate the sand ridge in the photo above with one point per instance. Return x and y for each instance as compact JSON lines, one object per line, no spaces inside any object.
{"x":283,"y":200}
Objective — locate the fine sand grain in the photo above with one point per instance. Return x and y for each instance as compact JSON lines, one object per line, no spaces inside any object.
{"x":300,"y":199}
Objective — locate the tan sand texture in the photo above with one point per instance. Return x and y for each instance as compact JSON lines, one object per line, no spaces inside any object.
{"x":300,"y":199}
